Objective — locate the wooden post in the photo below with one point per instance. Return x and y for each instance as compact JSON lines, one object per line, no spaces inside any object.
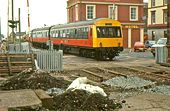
{"x":9,"y":64}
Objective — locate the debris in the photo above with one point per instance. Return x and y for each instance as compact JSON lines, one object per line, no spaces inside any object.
{"x":79,"y":83}
{"x":33,"y":80}
{"x":80,"y":100}
{"x":55,"y":91}
{"x":76,"y":83}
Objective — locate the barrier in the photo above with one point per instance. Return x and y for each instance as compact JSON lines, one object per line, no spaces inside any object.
{"x":161,"y":54}
{"x":50,"y":60}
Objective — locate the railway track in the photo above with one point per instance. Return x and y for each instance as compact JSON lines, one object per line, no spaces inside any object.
{"x":101,"y":74}
{"x":153,"y":74}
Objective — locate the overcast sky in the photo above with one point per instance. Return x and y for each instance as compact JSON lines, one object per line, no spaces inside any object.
{"x":42,"y":12}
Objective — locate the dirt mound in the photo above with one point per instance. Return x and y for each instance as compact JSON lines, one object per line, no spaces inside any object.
{"x":80,"y":100}
{"x":33,"y":80}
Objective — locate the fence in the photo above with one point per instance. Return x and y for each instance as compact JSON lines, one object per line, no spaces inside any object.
{"x":51,"y":60}
{"x":161,"y":54}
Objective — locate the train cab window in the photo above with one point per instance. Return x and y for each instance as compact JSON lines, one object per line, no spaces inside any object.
{"x":108,"y":32}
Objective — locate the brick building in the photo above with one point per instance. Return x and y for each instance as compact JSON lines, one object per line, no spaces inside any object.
{"x":129,"y":12}
{"x":157,"y":19}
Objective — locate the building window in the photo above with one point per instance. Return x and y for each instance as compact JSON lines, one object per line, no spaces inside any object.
{"x":133,"y":13}
{"x":165,"y":2}
{"x":165,"y":14}
{"x":113,"y":12}
{"x":77,"y":15}
{"x":90,"y":12}
{"x":153,"y":17}
{"x":152,"y":3}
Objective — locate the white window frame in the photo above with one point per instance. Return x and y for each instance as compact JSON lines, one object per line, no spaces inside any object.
{"x":77,"y":14}
{"x":136,"y":19}
{"x":94,"y":11}
{"x":153,"y":3}
{"x":165,"y":17}
{"x":115,"y":17}
{"x":153,"y":21}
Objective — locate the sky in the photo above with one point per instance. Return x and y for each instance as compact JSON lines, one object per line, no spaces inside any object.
{"x":42,"y":12}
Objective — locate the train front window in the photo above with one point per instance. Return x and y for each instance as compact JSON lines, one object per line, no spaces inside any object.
{"x":108,"y":32}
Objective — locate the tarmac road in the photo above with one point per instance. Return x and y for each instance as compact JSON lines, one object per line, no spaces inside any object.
{"x":125,"y":58}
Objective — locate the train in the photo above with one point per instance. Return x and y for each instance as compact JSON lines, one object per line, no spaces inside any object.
{"x":100,"y":38}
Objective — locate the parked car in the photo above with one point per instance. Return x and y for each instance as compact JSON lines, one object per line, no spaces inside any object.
{"x":139,"y":46}
{"x":160,"y":43}
{"x":149,"y":43}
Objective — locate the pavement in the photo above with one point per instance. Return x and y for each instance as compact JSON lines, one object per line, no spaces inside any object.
{"x":147,"y":102}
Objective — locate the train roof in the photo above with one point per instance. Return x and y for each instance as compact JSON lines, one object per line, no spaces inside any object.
{"x":43,"y":28}
{"x":74,"y":24}
{"x":81,"y":23}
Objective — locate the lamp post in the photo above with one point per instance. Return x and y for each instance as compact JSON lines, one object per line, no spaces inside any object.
{"x":168,"y":31}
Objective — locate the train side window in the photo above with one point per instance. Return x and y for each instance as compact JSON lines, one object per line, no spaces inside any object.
{"x":71,"y":33}
{"x":64,"y":33}
{"x":86,"y":32}
{"x":75,"y":33}
{"x":61,"y":33}
{"x":79,"y":33}
{"x":67,"y":33}
{"x":57,"y":33}
{"x":47,"y":34}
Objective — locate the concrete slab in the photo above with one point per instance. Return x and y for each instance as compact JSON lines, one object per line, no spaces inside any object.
{"x":19,"y":99}
{"x":3,"y":109}
{"x":47,"y":101}
{"x":147,"y":102}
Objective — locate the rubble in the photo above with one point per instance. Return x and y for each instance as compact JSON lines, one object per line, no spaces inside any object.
{"x":63,"y":100}
{"x":33,"y":80}
{"x":80,"y":100}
